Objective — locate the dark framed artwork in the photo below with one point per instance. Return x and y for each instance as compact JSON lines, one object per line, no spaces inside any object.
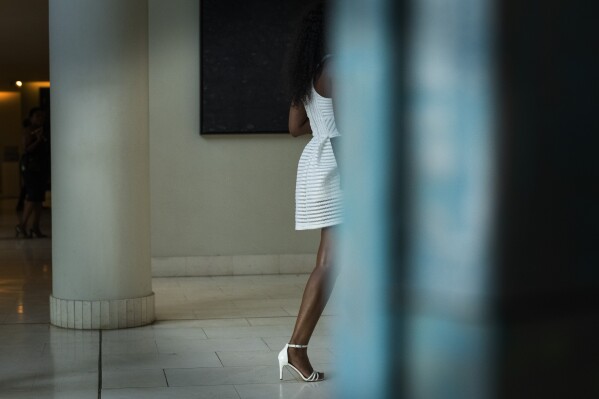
{"x":243,"y":48}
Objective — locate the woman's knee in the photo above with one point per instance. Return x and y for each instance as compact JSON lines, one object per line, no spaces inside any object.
{"x":324,"y":261}
{"x":324,"y":265}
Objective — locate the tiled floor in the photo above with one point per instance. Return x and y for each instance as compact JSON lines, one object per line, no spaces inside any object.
{"x":216,"y":337}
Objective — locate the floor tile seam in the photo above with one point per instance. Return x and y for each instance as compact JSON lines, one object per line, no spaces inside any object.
{"x":196,"y":352}
{"x":199,"y":340}
{"x":288,"y":312}
{"x":100,"y":364}
{"x":171,"y":387}
{"x":158,"y":354}
{"x":255,"y":308}
{"x":204,"y":332}
{"x":236,"y":391}
{"x":265,"y":343}
{"x":165,"y":377}
{"x":256,"y":331}
{"x":108,"y":370}
{"x":293,"y":381}
{"x":173,"y":368}
{"x":159,"y":327}
{"x":75,"y":342}
{"x":267,"y":350}
{"x":219,"y":359}
{"x":221,"y":368}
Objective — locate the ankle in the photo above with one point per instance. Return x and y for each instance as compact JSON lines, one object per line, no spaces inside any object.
{"x":297,"y":354}
{"x":297,"y":346}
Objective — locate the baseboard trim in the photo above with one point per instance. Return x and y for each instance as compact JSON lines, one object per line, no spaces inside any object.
{"x":232,"y":265}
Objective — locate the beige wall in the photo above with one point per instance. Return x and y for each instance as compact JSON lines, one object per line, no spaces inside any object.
{"x":10,"y":119}
{"x":30,"y":96}
{"x":217,"y":195}
{"x":10,"y":135}
{"x":14,"y":107}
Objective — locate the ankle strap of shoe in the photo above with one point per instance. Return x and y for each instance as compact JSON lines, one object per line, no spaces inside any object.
{"x":297,"y":346}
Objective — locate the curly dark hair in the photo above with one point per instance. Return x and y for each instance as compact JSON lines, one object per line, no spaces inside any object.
{"x":307,"y":53}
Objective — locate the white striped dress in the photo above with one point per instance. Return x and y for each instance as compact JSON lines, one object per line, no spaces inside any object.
{"x":317,"y":190}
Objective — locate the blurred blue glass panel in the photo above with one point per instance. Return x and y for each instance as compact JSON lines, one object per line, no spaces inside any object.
{"x":363,"y":53}
{"x":444,"y":336}
{"x":449,"y":332}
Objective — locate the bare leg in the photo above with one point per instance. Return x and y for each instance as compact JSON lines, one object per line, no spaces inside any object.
{"x":37,"y":214}
{"x":316,"y":295}
{"x":27,"y":212}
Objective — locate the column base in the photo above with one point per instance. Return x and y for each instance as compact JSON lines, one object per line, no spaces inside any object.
{"x":102,"y":314}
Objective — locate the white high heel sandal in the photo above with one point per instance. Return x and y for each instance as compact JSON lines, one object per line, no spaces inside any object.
{"x":284,"y":361}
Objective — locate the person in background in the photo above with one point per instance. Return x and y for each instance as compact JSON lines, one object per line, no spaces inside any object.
{"x":318,"y":192}
{"x":22,"y":193}
{"x":35,"y":168}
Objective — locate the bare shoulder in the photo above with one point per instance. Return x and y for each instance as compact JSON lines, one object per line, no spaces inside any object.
{"x":324,"y":82}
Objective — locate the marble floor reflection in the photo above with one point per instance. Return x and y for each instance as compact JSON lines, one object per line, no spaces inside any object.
{"x":215,"y":337}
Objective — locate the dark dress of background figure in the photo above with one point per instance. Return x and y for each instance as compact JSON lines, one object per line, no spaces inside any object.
{"x":35,"y":169}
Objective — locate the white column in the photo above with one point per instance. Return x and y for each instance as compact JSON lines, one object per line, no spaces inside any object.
{"x":100,"y":164}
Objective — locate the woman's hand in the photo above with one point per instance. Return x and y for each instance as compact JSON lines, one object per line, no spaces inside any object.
{"x":38,"y":133}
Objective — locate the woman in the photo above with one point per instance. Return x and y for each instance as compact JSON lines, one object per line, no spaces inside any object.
{"x":318,"y":194}
{"x":34,"y":166}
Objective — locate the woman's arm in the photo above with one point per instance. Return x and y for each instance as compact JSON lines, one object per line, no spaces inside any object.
{"x":299,"y":124}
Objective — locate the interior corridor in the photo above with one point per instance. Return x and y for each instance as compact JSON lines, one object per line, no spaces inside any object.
{"x":215,"y":337}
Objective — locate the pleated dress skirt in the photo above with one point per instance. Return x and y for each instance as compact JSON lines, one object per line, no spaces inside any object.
{"x":318,"y":191}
